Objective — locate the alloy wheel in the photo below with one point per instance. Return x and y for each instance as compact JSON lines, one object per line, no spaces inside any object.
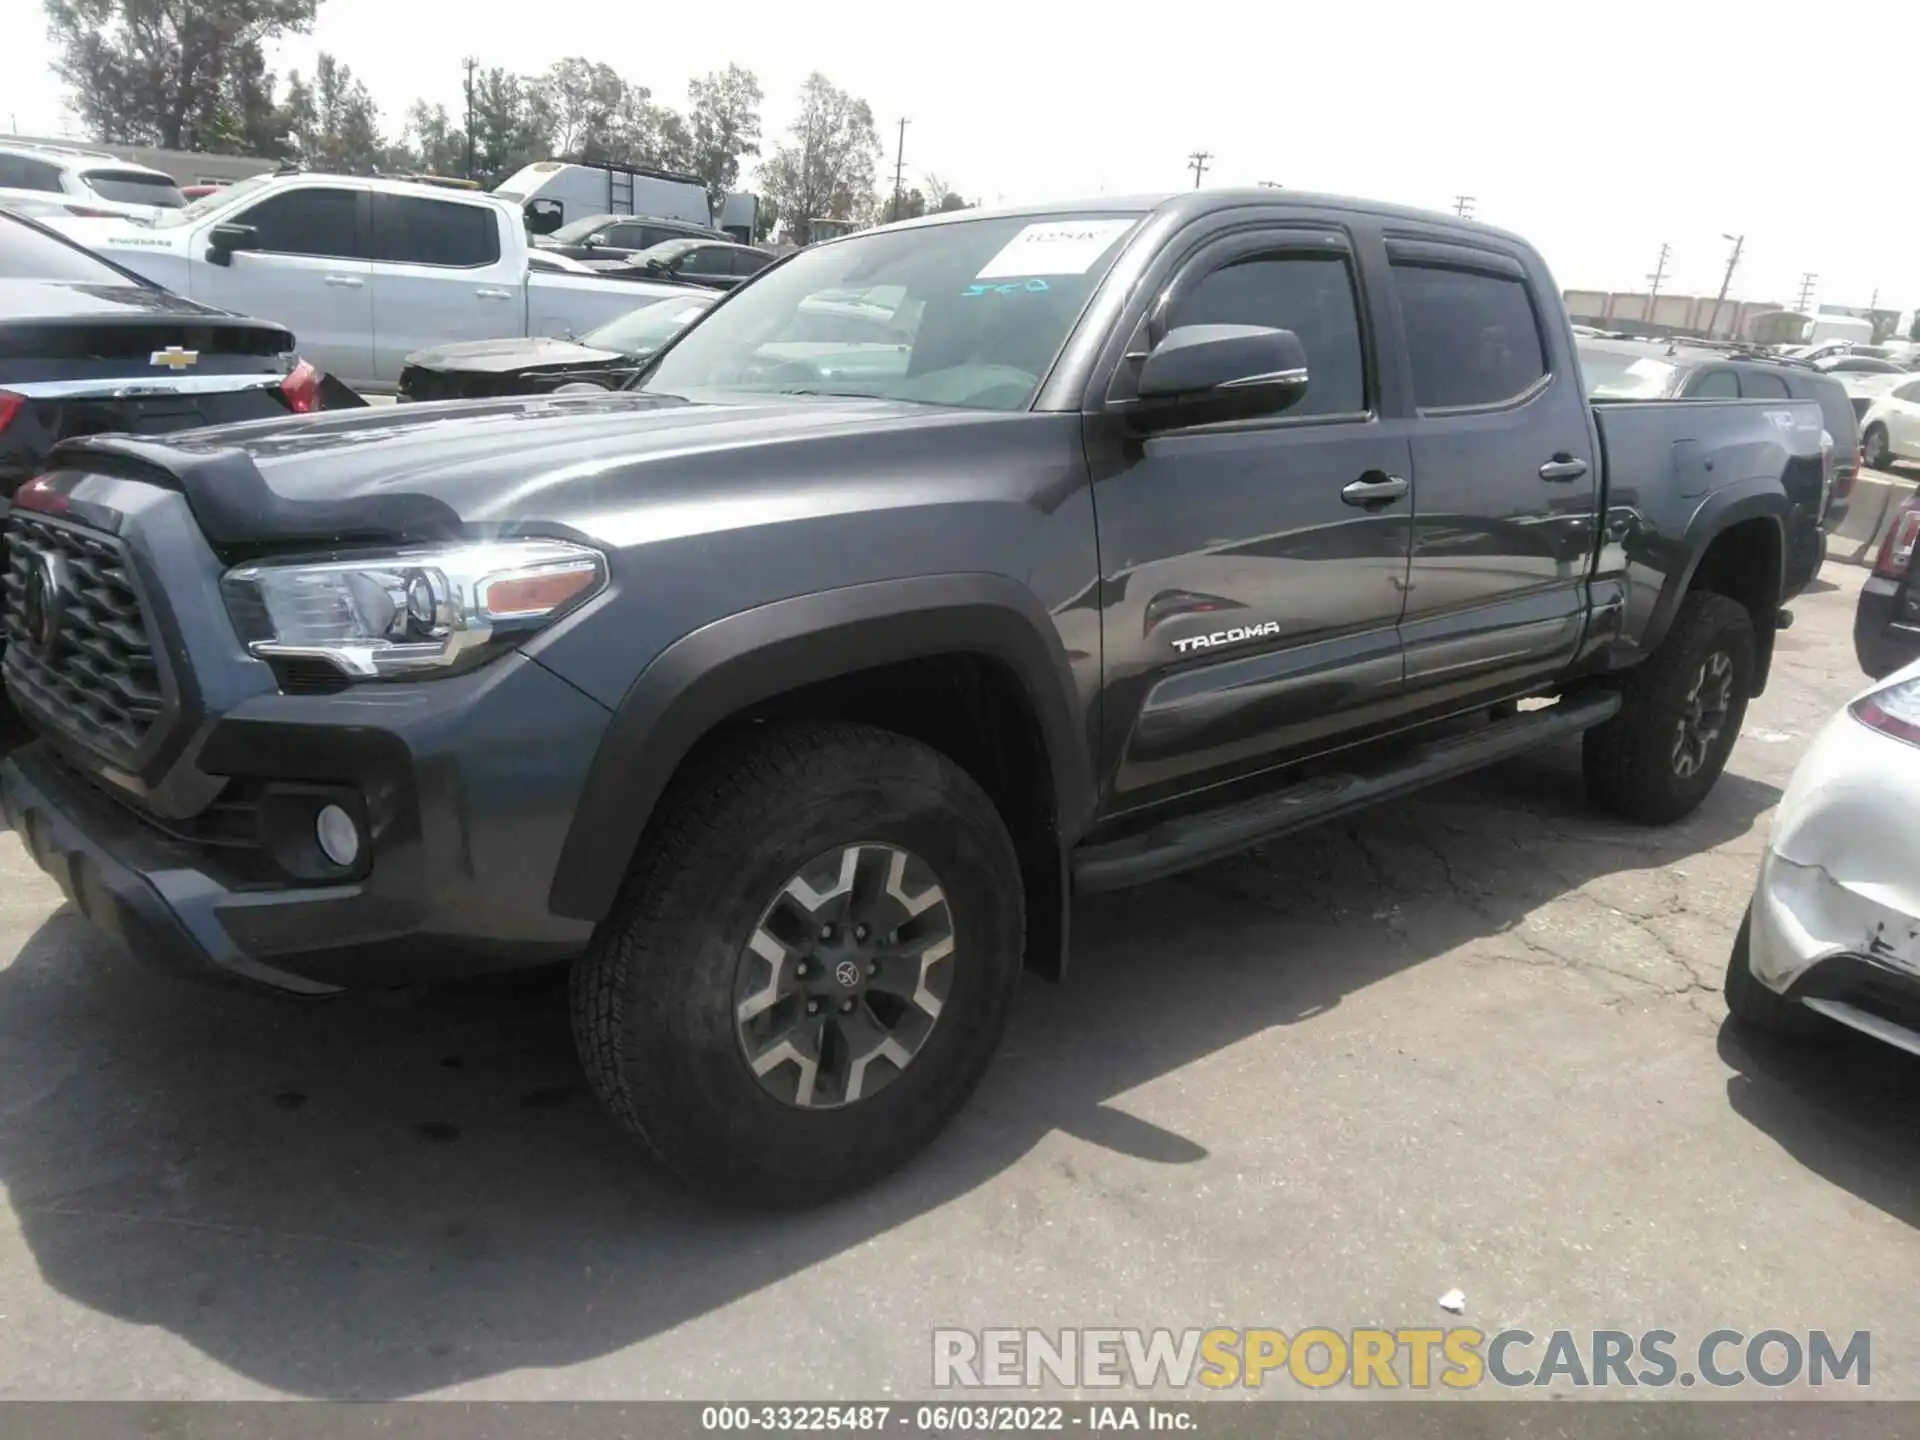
{"x":1703,"y":715}
{"x":844,"y":976}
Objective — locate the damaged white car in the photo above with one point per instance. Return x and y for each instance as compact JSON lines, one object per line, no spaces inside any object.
{"x":1833,"y":931}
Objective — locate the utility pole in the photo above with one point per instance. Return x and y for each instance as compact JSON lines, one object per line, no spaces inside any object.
{"x":470,"y":63}
{"x":1197,"y":162}
{"x":1806,"y":291}
{"x":1463,"y":206}
{"x":1732,"y":260}
{"x":1659,"y":274}
{"x":899,"y":166}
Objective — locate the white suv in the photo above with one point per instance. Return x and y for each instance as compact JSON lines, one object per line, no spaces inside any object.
{"x":83,"y":182}
{"x":1890,"y":430}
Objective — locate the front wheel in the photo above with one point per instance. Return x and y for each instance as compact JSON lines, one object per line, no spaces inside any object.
{"x":809,"y":967}
{"x":1875,"y":453}
{"x":1681,"y":712}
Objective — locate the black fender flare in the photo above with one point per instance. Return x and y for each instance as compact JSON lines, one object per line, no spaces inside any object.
{"x":1719,"y":512}
{"x":755,"y":655}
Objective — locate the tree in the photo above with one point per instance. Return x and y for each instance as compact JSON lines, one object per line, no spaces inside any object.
{"x":512,"y":125}
{"x":432,"y":142}
{"x":942,"y":197}
{"x":157,"y":72}
{"x":826,"y":170}
{"x":583,"y":96}
{"x":723,"y":124}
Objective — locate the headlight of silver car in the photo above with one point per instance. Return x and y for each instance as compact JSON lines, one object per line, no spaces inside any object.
{"x":410,"y":612}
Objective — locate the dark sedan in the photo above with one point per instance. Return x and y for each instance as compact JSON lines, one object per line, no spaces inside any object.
{"x":716,"y":265}
{"x":606,"y":357}
{"x":87,"y":347}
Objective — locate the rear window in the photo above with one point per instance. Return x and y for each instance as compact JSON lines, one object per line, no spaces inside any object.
{"x":1762,"y":387}
{"x":413,"y":231}
{"x":134,"y":187}
{"x":1471,"y":337}
{"x":30,"y":254}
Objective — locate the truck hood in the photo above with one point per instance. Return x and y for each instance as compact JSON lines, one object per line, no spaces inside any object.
{"x":614,"y":465}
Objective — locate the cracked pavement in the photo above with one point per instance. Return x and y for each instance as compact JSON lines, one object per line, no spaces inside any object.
{"x":1473,"y":1040}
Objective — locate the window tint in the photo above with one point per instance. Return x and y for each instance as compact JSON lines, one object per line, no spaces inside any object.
{"x":1762,"y":387}
{"x":1908,"y":392}
{"x":1471,"y":337}
{"x":409,"y":230}
{"x":627,"y":237}
{"x":1715,"y":385}
{"x":707,"y":260}
{"x":17,"y":172}
{"x":1311,"y":295}
{"x":135,"y":187}
{"x":30,"y":254}
{"x":749,"y":262}
{"x":308,"y":222}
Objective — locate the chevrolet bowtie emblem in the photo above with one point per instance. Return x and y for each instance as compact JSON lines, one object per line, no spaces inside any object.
{"x":174,"y":358}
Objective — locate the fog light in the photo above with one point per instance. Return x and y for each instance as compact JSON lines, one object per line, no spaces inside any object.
{"x":339,"y":837}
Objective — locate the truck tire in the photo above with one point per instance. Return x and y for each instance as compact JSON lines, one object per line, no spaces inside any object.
{"x":1752,"y":1003}
{"x":809,"y":967}
{"x":1874,"y":451}
{"x":1680,"y":715}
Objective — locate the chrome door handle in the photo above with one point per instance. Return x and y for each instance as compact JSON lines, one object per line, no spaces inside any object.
{"x":1375,"y":488}
{"x":488,"y":292}
{"x":346,"y":282}
{"x":1562,"y":468}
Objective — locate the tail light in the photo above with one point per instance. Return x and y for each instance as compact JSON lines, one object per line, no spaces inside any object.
{"x":1896,"y":551}
{"x":302,"y":389}
{"x":10,"y":404}
{"x":1893,"y":711}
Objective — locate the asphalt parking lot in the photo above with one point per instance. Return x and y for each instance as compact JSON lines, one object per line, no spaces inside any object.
{"x":1475,"y":1041}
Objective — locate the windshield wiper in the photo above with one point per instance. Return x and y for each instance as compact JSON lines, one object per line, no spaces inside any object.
{"x":835,"y":394}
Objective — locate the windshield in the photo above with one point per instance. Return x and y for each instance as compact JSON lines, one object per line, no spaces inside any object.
{"x":968,"y":313}
{"x":1624,"y":375}
{"x":580,"y":229}
{"x":645,"y":330}
{"x":194,"y":209}
{"x":134,"y":187}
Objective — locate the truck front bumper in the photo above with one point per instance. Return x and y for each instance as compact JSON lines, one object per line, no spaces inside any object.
{"x":464,"y":789}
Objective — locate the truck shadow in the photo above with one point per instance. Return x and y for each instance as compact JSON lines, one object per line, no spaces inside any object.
{"x":1847,"y":1108}
{"x":366,"y":1200}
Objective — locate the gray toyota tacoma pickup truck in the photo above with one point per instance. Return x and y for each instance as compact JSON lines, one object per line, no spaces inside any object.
{"x":792,"y":695}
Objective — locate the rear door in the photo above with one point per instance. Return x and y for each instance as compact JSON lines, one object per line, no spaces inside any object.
{"x":1251,"y":588}
{"x":1504,"y":470}
{"x":1903,"y":420}
{"x":440,"y":275}
{"x":308,"y":271}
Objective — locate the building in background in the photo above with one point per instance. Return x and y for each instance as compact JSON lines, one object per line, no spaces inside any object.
{"x":1689,"y":315}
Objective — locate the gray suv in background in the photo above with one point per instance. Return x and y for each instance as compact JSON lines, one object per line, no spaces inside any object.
{"x":1628,"y":369}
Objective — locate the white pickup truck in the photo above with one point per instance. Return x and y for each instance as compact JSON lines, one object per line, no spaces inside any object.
{"x":364,"y":271}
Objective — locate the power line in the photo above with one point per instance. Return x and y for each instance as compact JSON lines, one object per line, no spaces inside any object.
{"x":1197,"y":162}
{"x":899,"y":165}
{"x":1463,"y":206}
{"x":1806,"y":290}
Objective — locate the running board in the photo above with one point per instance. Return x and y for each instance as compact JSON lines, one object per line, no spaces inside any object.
{"x":1191,"y":840}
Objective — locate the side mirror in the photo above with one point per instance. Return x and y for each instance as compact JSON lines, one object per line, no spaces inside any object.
{"x":1204,"y":374}
{"x":654,"y":267}
{"x":223,"y":240}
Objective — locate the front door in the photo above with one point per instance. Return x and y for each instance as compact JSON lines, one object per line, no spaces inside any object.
{"x":1505,"y":472}
{"x":1252,"y":572}
{"x":308,"y":271}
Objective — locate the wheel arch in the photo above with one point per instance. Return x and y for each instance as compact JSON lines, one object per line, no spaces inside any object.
{"x":1736,"y":547}
{"x":782,"y":657}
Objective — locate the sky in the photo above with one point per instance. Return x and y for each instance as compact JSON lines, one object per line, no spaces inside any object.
{"x":1599,"y":132}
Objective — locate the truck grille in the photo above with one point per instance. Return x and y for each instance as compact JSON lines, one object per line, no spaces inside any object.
{"x":98,"y":680}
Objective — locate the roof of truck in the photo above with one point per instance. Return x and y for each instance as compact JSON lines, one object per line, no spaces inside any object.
{"x":1205,"y":201}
